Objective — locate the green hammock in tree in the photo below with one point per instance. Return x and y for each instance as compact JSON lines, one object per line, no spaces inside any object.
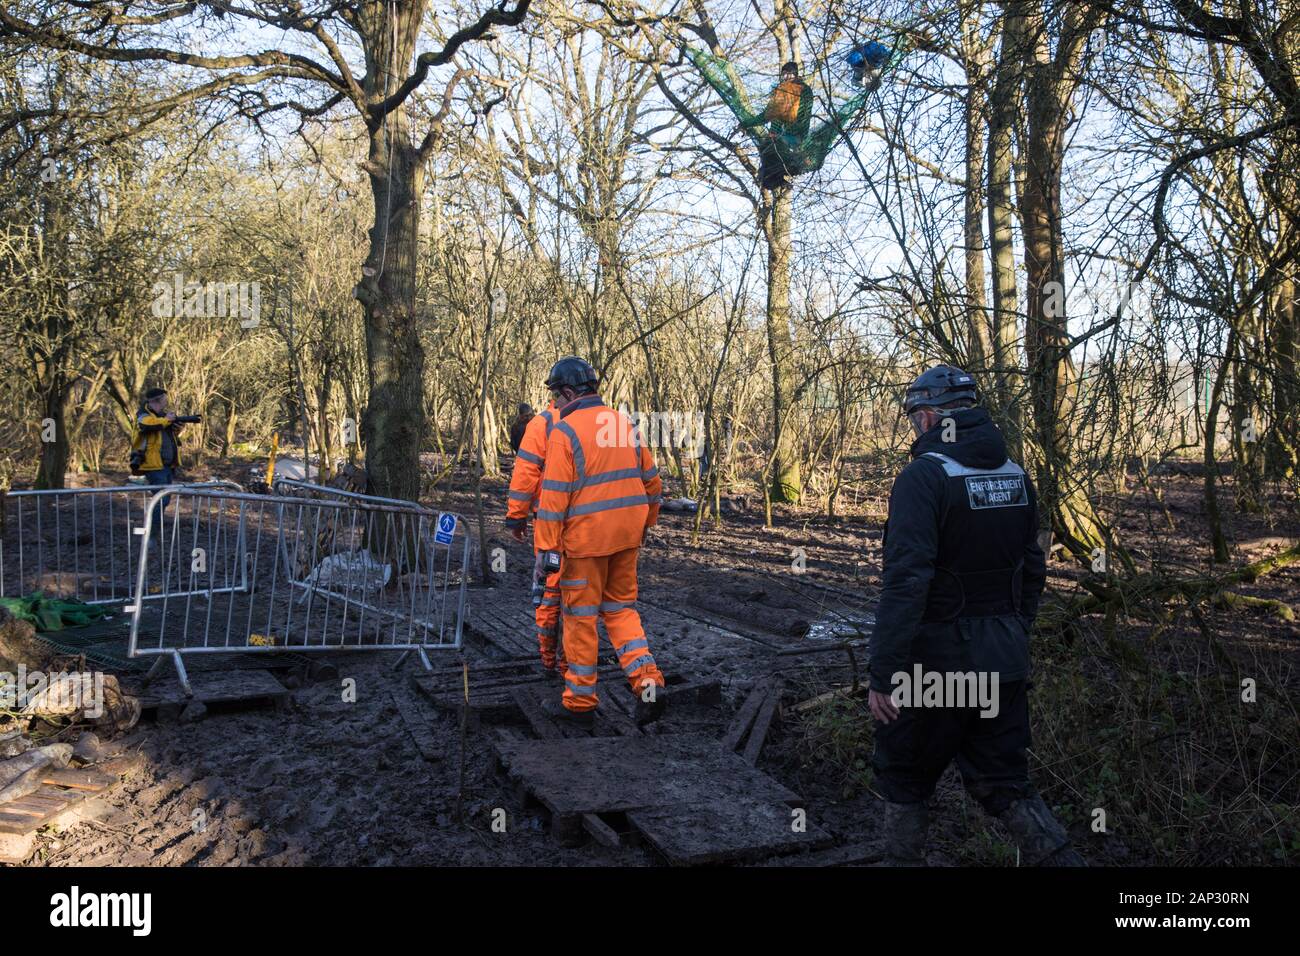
{"x":785,"y":149}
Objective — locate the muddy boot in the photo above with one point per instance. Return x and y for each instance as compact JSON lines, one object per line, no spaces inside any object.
{"x":906,"y":827}
{"x":582,"y":719}
{"x":648,"y":711}
{"x":1041,"y":838}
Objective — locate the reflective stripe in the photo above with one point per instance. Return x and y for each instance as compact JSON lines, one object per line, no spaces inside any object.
{"x":549,"y":632}
{"x":654,"y":499}
{"x":549,"y":515}
{"x":580,"y":610}
{"x":617,"y":474}
{"x":550,"y":602}
{"x":583,"y":670}
{"x":637,"y":645}
{"x":573,"y":582}
{"x":528,"y":456}
{"x":647,"y":475}
{"x":520,"y":496}
{"x":579,"y":689}
{"x":636,"y":665}
{"x":607,"y":607}
{"x":632,"y":501}
{"x":955,"y":469}
{"x":550,"y":484}
{"x":579,"y":459}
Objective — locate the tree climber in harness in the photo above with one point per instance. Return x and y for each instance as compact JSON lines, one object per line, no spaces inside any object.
{"x":791,"y":144}
{"x":788,"y":116}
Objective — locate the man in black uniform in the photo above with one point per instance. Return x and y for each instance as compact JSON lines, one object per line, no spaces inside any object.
{"x":963,"y":574}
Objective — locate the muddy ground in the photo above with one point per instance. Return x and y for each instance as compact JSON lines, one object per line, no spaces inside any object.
{"x":331,"y":782}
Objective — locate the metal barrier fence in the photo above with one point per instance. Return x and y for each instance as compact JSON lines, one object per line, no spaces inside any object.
{"x":78,"y":542}
{"x":327,"y":571}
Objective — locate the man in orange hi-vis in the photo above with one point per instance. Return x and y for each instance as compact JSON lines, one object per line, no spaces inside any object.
{"x":525,"y":486}
{"x":600,"y":491}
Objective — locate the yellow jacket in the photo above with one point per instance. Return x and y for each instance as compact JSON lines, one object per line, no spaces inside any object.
{"x":152,"y":433}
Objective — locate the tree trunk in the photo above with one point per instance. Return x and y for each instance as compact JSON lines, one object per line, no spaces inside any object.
{"x":1003,"y":103}
{"x":1051,"y":369}
{"x":54,"y":454}
{"x":979,"y":348}
{"x":1284,"y":436}
{"x":1218,"y":542}
{"x":393,"y":426}
{"x":786,"y":482}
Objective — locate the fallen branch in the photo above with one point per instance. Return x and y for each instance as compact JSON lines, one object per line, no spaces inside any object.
{"x":1232,"y":601}
{"x":1136,"y":596}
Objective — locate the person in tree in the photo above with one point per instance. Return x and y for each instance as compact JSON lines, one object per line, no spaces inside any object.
{"x":789,"y":109}
{"x":790,"y":146}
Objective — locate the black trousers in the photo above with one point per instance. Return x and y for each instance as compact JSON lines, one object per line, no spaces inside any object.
{"x":913,"y":751}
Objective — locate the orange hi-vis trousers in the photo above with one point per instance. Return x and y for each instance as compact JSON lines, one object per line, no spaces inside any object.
{"x":592,"y":589}
{"x":547,"y":615}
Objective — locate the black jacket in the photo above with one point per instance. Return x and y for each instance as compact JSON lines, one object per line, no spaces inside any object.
{"x":963,"y":571}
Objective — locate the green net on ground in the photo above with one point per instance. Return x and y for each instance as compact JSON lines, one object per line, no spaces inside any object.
{"x":52,"y":614}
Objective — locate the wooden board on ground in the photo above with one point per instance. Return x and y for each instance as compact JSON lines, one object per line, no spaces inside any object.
{"x":214,"y":687}
{"x":504,"y":620}
{"x":727,"y":829}
{"x":863,"y":852}
{"x":691,"y":799}
{"x":490,"y":697}
{"x":762,"y":721}
{"x":607,"y":774}
{"x":705,"y":691}
{"x":417,"y":723}
{"x":60,"y":790}
{"x":745,"y":716}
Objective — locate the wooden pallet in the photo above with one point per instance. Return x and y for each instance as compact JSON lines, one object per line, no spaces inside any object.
{"x":490,"y":688}
{"x":685,"y":795}
{"x":504,"y":621}
{"x":60,"y":791}
{"x":242,"y":687}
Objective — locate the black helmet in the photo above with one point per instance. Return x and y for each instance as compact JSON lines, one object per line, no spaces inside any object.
{"x":939,"y":386}
{"x":573,"y":372}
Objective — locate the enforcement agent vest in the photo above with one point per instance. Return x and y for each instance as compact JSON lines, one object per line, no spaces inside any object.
{"x":987,"y":518}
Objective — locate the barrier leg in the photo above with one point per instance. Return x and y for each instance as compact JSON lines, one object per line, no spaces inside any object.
{"x":182,"y":677}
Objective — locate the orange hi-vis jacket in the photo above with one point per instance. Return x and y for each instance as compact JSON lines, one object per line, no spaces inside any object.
{"x":600,"y":487}
{"x":526,"y":479}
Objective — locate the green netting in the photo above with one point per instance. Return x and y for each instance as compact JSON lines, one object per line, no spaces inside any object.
{"x":52,"y":614}
{"x":800,"y":146}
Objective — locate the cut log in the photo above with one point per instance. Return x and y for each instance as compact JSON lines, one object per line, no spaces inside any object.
{"x":21,"y":775}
